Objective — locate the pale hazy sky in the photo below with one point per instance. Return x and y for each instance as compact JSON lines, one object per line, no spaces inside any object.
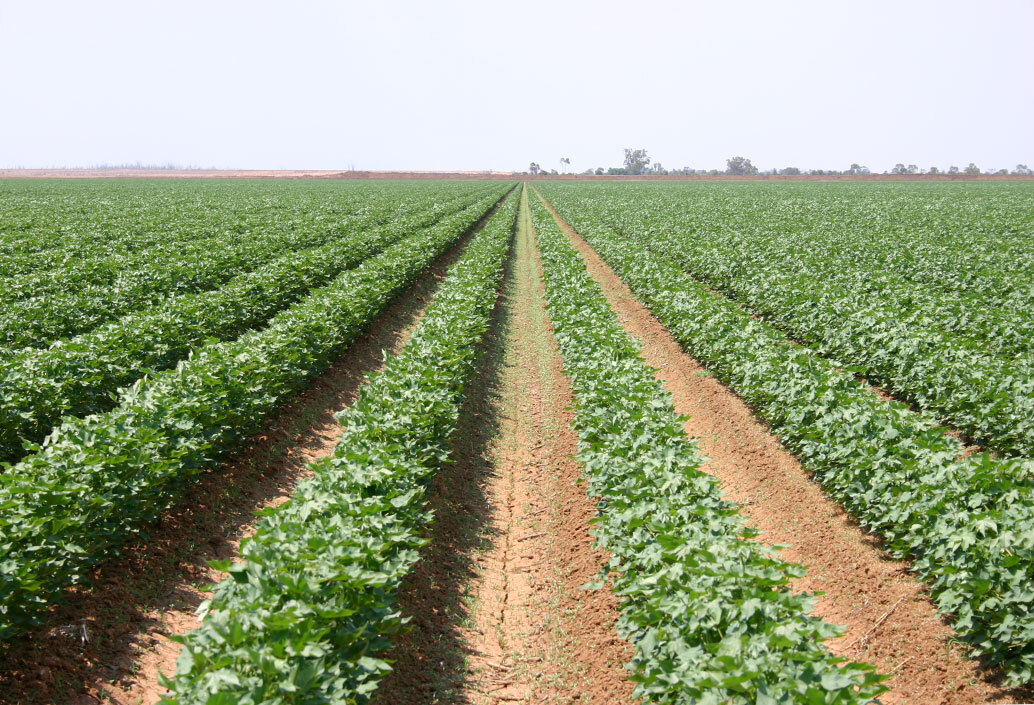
{"x":495,"y":85}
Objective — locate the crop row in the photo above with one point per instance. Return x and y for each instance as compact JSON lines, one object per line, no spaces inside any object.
{"x":58,"y":238}
{"x":987,"y":396}
{"x":966,"y":523}
{"x":306,"y":615}
{"x":80,"y":376}
{"x":710,"y":612}
{"x":98,"y":479}
{"x":61,"y":303}
{"x":960,"y":256}
{"x":889,"y":328}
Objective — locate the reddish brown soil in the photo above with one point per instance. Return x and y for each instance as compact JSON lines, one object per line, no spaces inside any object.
{"x":779,"y":177}
{"x":498,"y":610}
{"x":247,"y":174}
{"x":447,"y":175}
{"x":154,"y":590}
{"x":889,"y":619}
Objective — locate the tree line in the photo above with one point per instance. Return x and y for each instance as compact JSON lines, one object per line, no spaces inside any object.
{"x":637,"y":162}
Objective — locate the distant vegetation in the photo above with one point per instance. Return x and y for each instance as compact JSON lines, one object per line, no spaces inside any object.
{"x":637,"y":162}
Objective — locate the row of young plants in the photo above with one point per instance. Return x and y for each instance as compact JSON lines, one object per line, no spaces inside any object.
{"x":886,"y":325}
{"x":62,"y":304}
{"x":97,"y":480}
{"x":79,"y":376}
{"x":49,"y":226}
{"x":709,"y":611}
{"x":307,"y":614}
{"x":958,"y":254}
{"x":987,"y":395}
{"x":60,"y":237}
{"x":46,"y":224}
{"x":967,"y":524}
{"x":206,"y":264}
{"x":188,"y":267}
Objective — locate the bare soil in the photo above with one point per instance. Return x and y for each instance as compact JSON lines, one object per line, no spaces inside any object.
{"x":110,"y":643}
{"x":888,"y":617}
{"x":499,"y":613}
{"x":247,"y":174}
{"x":448,"y":175}
{"x":497,"y":605}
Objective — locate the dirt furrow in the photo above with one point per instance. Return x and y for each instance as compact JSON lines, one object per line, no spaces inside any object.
{"x":497,"y":606}
{"x":889,"y":618}
{"x":112,"y":642}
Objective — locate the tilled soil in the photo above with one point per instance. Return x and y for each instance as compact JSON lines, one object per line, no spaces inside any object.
{"x":497,"y":605}
{"x":110,"y":643}
{"x":160,"y":173}
{"x":498,"y":609}
{"x":889,"y":618}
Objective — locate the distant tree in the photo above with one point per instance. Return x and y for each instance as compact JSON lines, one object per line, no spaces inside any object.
{"x":857,"y":169}
{"x":740,"y":166}
{"x":899,"y":168}
{"x":934,"y":170}
{"x":790,"y":171}
{"x":636,"y":160}
{"x":1002,"y":172}
{"x":534,"y":168}
{"x":911,"y":169}
{"x":1022,"y":170}
{"x":953,"y":170}
{"x":553,"y":172}
{"x":564,"y":163}
{"x":599,"y":171}
{"x":972,"y":169}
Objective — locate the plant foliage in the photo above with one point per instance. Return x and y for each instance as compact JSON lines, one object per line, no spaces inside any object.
{"x":926,"y":289}
{"x":709,"y":611}
{"x":98,"y":479}
{"x":966,"y":523}
{"x":305,"y":617}
{"x":80,"y":376}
